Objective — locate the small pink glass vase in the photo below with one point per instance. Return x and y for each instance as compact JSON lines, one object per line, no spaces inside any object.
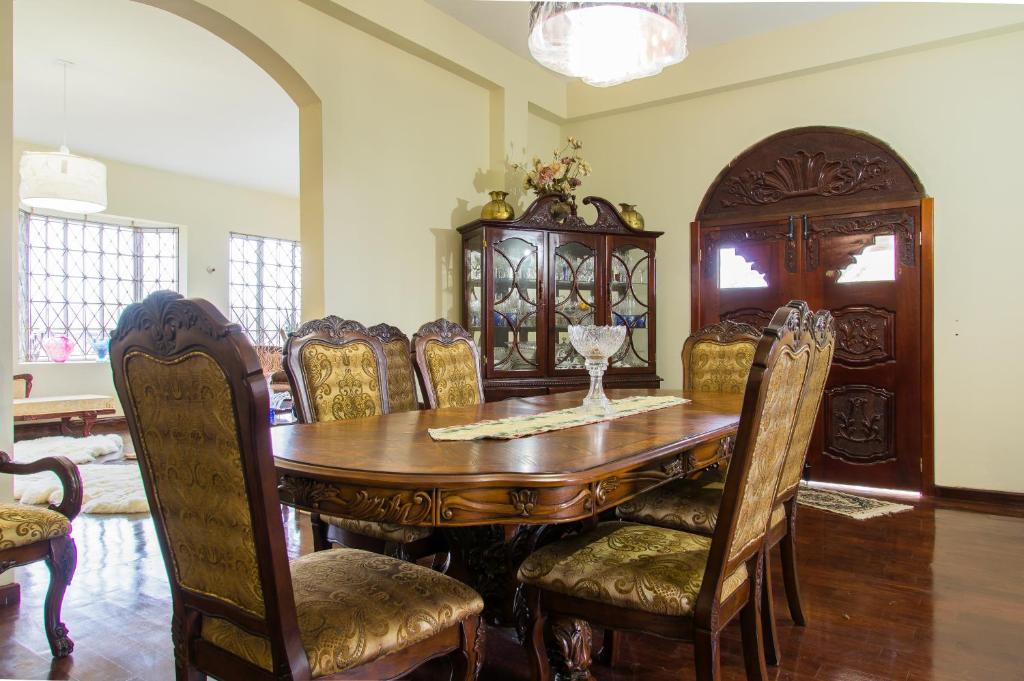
{"x":58,"y":348}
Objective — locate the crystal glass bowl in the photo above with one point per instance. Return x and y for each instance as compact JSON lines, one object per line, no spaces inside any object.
{"x":597,"y":344}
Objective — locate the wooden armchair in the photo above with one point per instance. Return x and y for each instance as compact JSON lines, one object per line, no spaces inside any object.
{"x":196,"y":403}
{"x":339,"y":370}
{"x":29,"y":534}
{"x":674,"y":584}
{"x":22,"y":386}
{"x":448,"y":365}
{"x":694,"y":505}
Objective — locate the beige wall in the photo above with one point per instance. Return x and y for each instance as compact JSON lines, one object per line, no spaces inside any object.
{"x":6,"y":240}
{"x":205,"y":212}
{"x":954,"y":113}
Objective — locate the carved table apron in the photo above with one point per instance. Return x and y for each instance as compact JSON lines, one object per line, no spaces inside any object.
{"x":387,"y":469}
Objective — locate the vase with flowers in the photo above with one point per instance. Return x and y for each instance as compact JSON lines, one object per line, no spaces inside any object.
{"x":562,"y":175}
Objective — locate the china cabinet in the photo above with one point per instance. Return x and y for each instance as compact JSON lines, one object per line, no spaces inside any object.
{"x":526,"y":280}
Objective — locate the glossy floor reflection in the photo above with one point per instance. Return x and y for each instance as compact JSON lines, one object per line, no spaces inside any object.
{"x":934,"y":593}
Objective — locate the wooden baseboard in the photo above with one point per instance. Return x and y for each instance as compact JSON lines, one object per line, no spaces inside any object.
{"x":10,"y":594}
{"x":989,"y":496}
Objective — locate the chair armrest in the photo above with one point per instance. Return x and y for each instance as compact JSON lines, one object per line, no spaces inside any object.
{"x":66,"y":472}
{"x":28,"y":382}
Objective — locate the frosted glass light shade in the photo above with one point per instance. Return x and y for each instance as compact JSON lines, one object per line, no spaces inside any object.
{"x":607,"y":43}
{"x":59,"y":180}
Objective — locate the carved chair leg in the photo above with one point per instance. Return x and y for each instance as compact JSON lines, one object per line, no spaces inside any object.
{"x":540,"y":667}
{"x":789,"y":574}
{"x":61,"y":560}
{"x":707,"y":655}
{"x":751,"y":628}
{"x":321,"y":542}
{"x":181,"y":634}
{"x":772,"y":653}
{"x":441,"y":561}
{"x":573,"y":641}
{"x":469,"y":658}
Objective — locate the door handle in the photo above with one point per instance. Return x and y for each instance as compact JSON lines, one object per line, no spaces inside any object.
{"x":792,"y":227}
{"x":807,"y":228}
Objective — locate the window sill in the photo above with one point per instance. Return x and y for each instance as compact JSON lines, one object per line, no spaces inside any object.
{"x":70,"y":362}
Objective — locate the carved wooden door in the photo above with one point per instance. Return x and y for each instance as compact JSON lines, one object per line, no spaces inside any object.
{"x":748,"y":271}
{"x":515,"y":261}
{"x":865,"y":268}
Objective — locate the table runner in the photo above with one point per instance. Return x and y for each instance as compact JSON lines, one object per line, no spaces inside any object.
{"x":515,"y":427}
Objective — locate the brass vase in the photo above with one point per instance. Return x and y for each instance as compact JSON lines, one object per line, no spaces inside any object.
{"x":497,"y":208}
{"x":631,"y":216}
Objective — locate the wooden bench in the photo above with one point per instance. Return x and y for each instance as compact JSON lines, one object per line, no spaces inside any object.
{"x":88,"y":408}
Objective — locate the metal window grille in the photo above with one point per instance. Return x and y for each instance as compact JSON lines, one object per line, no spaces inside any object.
{"x":78,"y":275}
{"x":265,"y":286}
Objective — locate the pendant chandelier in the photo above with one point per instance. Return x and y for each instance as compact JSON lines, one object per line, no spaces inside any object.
{"x":59,"y":180}
{"x":607,"y":43}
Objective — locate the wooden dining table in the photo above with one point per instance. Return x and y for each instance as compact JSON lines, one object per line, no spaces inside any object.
{"x":485,"y":495}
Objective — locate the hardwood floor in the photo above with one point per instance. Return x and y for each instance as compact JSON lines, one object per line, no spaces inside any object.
{"x":934,"y":593}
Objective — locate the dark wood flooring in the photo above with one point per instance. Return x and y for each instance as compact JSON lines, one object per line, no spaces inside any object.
{"x":934,"y":593}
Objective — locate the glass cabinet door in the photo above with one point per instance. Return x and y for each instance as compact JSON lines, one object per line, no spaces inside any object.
{"x":473,"y":288}
{"x":630,"y":302}
{"x":516,"y":332}
{"x":574,"y":287}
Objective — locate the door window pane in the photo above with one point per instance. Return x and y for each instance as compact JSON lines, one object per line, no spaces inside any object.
{"x":877,"y":262}
{"x":735,"y":272}
{"x":628,"y":295}
{"x":574,"y":298}
{"x":514,"y":345}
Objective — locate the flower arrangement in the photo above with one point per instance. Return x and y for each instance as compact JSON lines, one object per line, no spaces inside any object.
{"x":563,"y":175}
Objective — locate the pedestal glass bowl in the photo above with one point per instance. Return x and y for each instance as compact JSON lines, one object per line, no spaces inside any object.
{"x":597,"y":344}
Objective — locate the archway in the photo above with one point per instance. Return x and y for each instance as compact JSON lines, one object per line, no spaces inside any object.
{"x":311,"y":166}
{"x":835,"y":217}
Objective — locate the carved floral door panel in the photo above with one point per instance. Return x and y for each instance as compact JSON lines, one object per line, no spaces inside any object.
{"x":864,"y":268}
{"x":575,"y":294}
{"x":515,"y":261}
{"x":631,"y":301}
{"x":748,"y":270}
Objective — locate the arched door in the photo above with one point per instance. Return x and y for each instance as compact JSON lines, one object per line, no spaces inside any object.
{"x":836,"y":218}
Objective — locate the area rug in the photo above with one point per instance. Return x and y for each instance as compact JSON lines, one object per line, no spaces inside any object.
{"x":849,"y":505}
{"x":114,"y":486}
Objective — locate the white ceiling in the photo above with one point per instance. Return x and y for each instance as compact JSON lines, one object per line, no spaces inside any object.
{"x":708,"y":23}
{"x":151,"y":89}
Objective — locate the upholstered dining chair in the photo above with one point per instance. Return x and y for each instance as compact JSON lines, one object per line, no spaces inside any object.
{"x":339,"y":370}
{"x":30,"y":533}
{"x":693,"y":505}
{"x":448,"y":365}
{"x":22,"y":386}
{"x":401,"y":375}
{"x":196,"y":403}
{"x":675,"y":584}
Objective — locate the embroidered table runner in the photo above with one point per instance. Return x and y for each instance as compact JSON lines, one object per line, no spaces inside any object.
{"x":533,"y":424}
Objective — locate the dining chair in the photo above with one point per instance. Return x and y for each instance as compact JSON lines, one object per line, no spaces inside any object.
{"x":31,"y":533}
{"x":22,"y":386}
{"x":339,"y":370}
{"x":448,"y":365}
{"x":674,"y":584}
{"x":693,"y":505}
{"x":401,"y":375}
{"x":196,"y":403}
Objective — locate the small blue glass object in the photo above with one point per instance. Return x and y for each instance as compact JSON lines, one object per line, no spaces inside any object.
{"x":102,"y":347}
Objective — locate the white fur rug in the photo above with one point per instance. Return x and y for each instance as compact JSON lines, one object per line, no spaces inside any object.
{"x":108,"y":487}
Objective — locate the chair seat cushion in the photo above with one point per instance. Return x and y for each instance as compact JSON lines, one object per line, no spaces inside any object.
{"x":21,"y":525}
{"x":690,"y":505}
{"x":401,"y":534}
{"x":641,"y":567}
{"x":354,"y":607}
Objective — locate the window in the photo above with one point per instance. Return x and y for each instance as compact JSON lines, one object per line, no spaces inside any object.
{"x":77,"y":275}
{"x":877,"y":262}
{"x":735,"y":272}
{"x":265,"y":286}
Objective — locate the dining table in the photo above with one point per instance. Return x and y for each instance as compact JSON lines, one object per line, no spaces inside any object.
{"x":491,"y":498}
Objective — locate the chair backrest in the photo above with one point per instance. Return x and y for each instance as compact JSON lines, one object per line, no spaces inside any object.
{"x":337,"y":370}
{"x":197,"y":407}
{"x":401,"y":376}
{"x":824,"y":333}
{"x":781,"y":366}
{"x":717,"y":358}
{"x":448,"y":365}
{"x":22,"y":386}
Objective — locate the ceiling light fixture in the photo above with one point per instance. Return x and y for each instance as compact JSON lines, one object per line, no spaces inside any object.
{"x":607,"y":43}
{"x":59,"y":180}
